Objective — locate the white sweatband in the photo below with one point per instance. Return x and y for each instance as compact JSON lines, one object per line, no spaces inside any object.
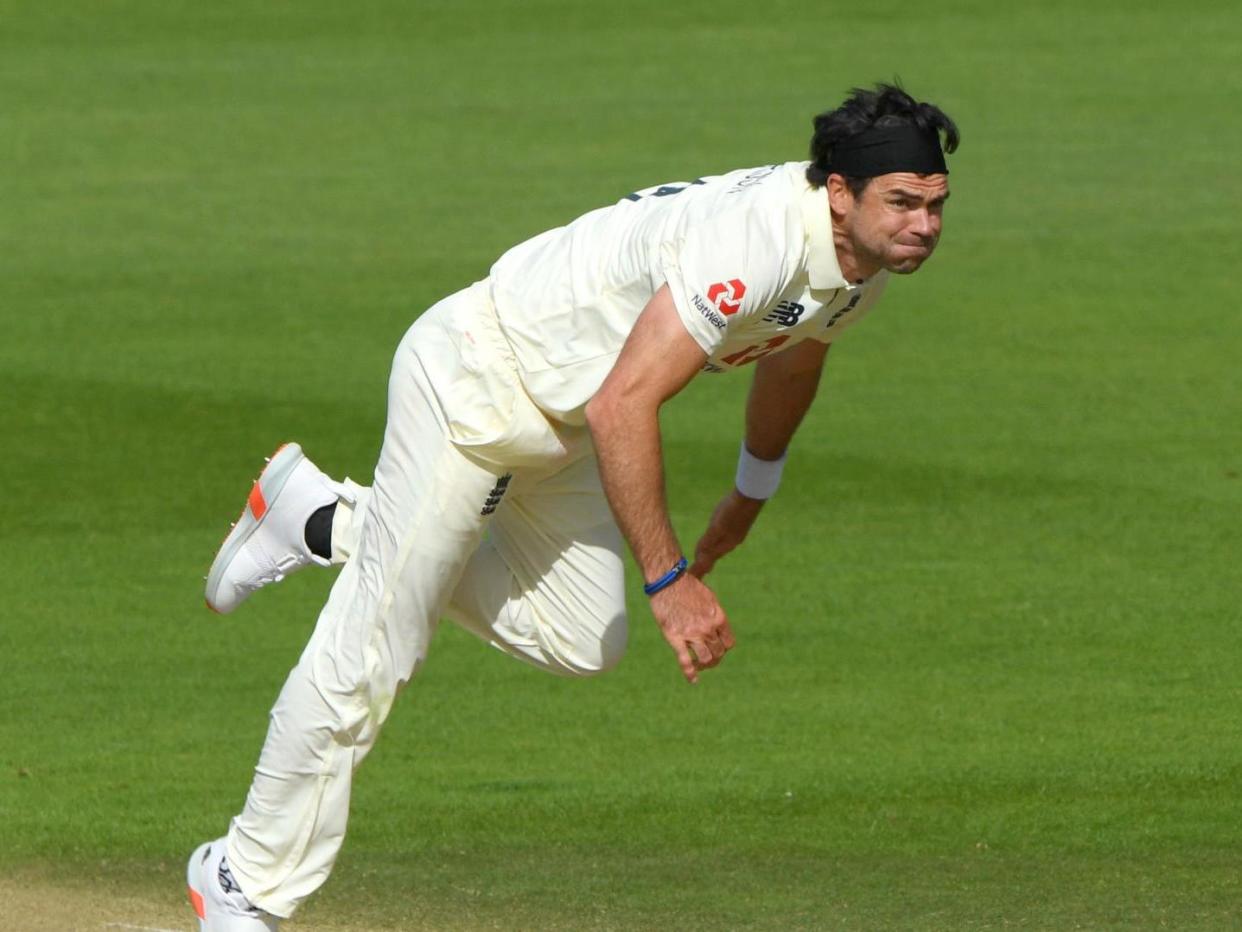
{"x":758,"y":478}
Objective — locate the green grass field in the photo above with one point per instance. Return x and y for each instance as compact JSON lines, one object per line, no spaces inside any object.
{"x":988,"y":662}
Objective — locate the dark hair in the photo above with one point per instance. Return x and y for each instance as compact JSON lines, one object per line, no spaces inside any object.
{"x":887,"y":105}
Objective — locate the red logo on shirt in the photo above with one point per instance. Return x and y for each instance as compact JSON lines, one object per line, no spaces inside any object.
{"x":733,"y":289}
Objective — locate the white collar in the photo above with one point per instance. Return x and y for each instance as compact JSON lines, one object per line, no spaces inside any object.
{"x":822,"y":266}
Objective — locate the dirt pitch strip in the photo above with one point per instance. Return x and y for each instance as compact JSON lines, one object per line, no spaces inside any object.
{"x":33,"y":904}
{"x":29,"y":905}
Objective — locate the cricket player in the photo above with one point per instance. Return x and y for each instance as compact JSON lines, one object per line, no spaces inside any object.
{"x":523,"y":446}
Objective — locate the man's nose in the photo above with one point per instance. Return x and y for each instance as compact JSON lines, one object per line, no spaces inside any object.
{"x":923,"y":223}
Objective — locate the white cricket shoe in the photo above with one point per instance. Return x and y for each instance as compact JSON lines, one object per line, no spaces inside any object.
{"x":268,"y":542}
{"x":217,"y":899}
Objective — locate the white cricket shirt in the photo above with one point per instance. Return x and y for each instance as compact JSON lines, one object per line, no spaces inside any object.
{"x":748,"y":257}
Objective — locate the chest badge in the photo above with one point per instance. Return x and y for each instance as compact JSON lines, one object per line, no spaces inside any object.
{"x":727,"y":296}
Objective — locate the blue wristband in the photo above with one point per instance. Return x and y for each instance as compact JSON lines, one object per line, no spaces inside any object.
{"x":667,"y":579}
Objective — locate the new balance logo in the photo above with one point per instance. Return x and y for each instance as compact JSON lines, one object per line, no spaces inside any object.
{"x":496,"y":494}
{"x":786,"y":313}
{"x":845,"y":310}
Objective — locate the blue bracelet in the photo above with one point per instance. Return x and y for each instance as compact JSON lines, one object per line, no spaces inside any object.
{"x":667,"y":579}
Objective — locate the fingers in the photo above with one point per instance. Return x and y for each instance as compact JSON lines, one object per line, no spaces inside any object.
{"x":693,"y":656}
{"x":693,"y":624}
{"x":710,"y":650}
{"x":707,"y":554}
{"x":703,"y":659}
{"x":686,"y":662}
{"x":704,"y":558}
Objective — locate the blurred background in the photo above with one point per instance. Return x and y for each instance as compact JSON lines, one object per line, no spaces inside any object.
{"x":987,"y":671}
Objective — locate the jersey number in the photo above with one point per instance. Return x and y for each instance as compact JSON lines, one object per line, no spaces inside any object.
{"x":663,"y":190}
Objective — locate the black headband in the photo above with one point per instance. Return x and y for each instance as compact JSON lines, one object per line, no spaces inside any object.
{"x":880,"y":150}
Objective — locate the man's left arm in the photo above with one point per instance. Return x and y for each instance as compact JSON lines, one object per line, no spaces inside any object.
{"x":781,"y":392}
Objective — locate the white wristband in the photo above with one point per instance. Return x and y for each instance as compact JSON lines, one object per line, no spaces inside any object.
{"x":758,"y":478}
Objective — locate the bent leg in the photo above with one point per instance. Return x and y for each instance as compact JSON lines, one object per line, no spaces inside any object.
{"x":548,"y":585}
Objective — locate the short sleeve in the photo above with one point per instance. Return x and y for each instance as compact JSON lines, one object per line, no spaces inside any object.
{"x":721,"y":273}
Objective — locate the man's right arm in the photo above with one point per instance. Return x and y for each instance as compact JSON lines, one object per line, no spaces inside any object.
{"x":656,"y":362}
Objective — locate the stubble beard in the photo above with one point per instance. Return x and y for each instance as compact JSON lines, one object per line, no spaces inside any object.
{"x":909,"y":265}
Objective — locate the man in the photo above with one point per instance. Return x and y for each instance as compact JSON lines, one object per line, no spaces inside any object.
{"x":523,"y":443}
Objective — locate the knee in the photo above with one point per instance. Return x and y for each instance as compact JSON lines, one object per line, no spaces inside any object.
{"x":350,"y":687}
{"x":597,"y":648}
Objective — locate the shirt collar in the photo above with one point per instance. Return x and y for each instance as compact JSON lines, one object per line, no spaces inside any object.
{"x":821,"y":252}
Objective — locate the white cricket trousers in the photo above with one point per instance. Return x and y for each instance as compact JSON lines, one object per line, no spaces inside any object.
{"x":481,"y":511}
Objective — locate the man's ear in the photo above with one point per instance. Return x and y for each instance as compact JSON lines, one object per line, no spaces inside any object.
{"x":840,"y":198}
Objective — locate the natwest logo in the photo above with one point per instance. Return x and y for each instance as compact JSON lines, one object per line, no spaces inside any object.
{"x":727,"y":295}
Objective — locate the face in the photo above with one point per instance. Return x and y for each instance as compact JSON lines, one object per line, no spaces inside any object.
{"x":895,"y":223}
